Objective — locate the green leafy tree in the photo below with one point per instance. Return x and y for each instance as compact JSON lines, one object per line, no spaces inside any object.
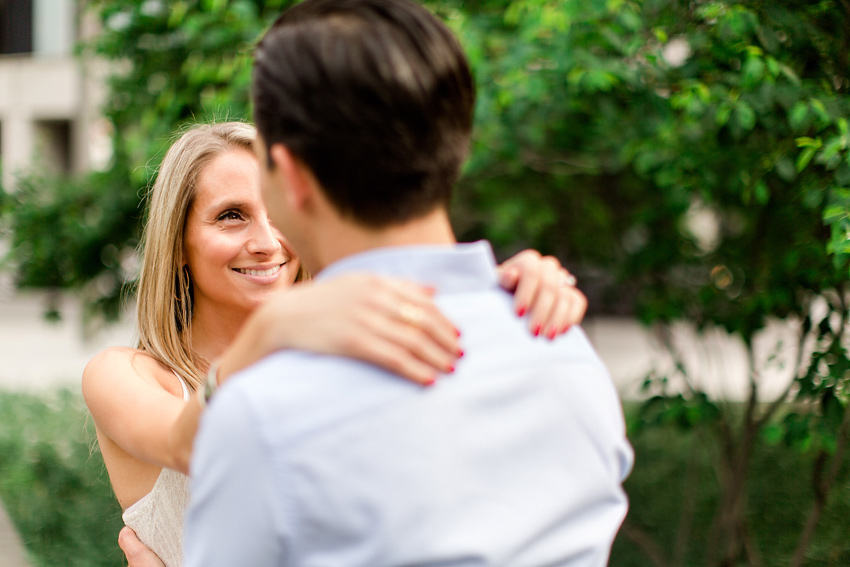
{"x":633,"y":120}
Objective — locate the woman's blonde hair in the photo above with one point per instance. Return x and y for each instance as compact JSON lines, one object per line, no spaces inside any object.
{"x":164,"y":308}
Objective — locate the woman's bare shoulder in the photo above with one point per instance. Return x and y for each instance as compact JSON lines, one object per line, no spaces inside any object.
{"x":121,"y":364}
{"x":117,"y":357}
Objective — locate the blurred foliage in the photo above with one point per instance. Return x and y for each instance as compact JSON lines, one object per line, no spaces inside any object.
{"x":74,"y":228}
{"x":57,"y":491}
{"x":688,"y":160}
{"x":682,"y":156}
{"x":674,"y":491}
{"x":53,"y":485}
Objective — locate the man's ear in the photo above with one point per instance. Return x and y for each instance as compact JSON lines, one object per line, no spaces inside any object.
{"x":295,"y":180}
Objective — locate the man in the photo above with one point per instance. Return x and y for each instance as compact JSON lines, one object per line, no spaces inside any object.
{"x":364,"y":109}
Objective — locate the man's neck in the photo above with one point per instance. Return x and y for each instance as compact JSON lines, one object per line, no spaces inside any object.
{"x":348,"y":239}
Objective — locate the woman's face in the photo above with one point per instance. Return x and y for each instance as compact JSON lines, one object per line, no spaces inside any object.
{"x":236,"y":258}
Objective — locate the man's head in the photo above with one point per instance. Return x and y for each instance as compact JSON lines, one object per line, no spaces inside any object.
{"x":375,"y":97}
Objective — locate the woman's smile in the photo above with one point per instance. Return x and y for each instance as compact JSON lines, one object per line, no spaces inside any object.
{"x":262,"y":272}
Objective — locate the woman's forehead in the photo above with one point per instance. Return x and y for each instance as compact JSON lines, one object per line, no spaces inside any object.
{"x":230,"y":178}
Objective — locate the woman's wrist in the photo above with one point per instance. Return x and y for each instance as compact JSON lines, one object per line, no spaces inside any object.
{"x":210,"y":383}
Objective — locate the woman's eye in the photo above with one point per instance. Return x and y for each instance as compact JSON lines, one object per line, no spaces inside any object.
{"x":230,"y":215}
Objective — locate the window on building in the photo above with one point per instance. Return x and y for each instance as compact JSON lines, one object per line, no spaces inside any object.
{"x":53,"y":145}
{"x":53,"y":25}
{"x":16,"y":26}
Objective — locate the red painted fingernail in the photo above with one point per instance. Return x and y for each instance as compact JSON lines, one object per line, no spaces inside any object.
{"x":567,"y":328}
{"x":457,"y":332}
{"x":460,"y":354}
{"x":521,"y":311}
{"x":450,"y":368}
{"x":536,"y":330}
{"x":429,"y":382}
{"x":552,"y":332}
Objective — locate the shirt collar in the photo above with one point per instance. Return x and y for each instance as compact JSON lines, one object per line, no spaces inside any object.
{"x":449,"y":268}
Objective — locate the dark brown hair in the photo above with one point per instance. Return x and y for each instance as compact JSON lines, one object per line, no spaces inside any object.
{"x":374,"y":96}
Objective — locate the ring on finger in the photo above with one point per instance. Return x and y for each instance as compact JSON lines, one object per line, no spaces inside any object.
{"x":411,"y":314}
{"x":568,"y":280}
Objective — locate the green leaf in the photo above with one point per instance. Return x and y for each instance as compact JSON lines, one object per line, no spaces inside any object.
{"x":832,"y":147}
{"x":805,"y":157}
{"x":746,"y":116}
{"x":772,"y":66}
{"x":806,"y":142}
{"x":761,"y":192}
{"x":724,"y":111}
{"x":820,"y":110}
{"x":798,"y":116}
{"x":752,"y":72}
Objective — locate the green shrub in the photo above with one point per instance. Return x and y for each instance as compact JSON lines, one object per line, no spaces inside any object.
{"x":674,"y":490}
{"x":53,"y":481}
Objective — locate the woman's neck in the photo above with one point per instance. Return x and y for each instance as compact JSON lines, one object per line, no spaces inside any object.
{"x":213,"y":331}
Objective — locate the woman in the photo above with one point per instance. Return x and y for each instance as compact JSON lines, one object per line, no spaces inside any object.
{"x":211,"y":259}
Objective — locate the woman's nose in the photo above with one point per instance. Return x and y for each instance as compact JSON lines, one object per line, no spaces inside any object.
{"x":264,"y":239}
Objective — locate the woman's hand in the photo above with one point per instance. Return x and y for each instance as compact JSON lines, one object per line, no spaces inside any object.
{"x":545,"y":290}
{"x":138,"y":555}
{"x":385,"y":321}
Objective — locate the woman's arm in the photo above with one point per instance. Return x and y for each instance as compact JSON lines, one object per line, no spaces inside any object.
{"x":135,"y":402}
{"x":128,"y":393}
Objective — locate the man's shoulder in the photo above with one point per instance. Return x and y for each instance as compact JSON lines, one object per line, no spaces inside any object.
{"x":291,"y":394}
{"x":297,"y":374}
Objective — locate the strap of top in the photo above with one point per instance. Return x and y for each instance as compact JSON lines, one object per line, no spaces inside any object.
{"x":186,"y":392}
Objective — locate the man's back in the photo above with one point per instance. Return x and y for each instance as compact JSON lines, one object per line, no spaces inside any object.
{"x":515,"y":459}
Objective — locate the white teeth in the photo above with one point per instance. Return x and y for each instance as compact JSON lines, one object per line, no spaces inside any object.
{"x":263,"y":273}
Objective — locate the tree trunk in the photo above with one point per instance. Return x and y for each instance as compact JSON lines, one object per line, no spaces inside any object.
{"x":730,"y":542}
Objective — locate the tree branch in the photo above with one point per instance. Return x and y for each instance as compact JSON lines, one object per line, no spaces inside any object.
{"x":645,"y":543}
{"x":822,"y":485}
{"x":686,"y":514}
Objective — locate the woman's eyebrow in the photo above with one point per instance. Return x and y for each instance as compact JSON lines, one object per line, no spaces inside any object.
{"x":222,"y":205}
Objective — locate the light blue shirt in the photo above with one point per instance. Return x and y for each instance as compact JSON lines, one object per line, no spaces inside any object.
{"x":516,"y":459}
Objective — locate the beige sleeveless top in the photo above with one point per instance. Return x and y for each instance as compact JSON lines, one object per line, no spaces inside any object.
{"x":158,"y":517}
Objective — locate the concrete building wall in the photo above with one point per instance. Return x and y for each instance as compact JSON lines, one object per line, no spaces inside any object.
{"x":49,"y":99}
